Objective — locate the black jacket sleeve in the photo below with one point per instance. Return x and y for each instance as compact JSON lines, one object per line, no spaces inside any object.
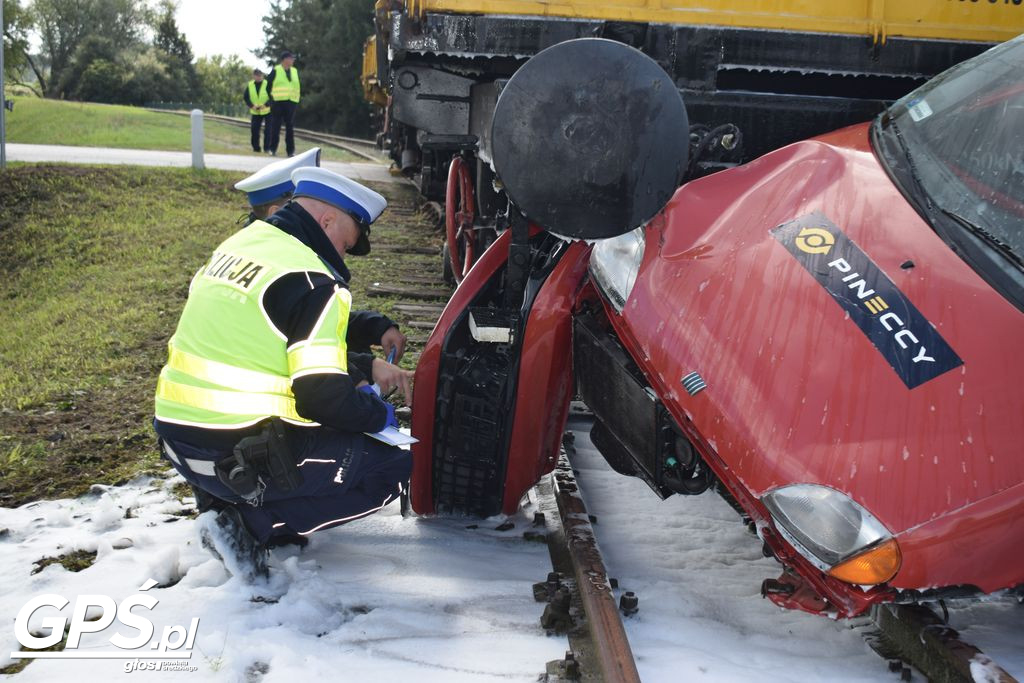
{"x":360,"y":367}
{"x":245,"y":96}
{"x":365,"y":328}
{"x":269,"y":80}
{"x":294,"y":303}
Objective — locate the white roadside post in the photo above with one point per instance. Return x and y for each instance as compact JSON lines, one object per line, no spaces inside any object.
{"x":3,"y":101}
{"x":197,"y":139}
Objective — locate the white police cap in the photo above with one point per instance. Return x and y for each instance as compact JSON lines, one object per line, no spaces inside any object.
{"x":274,"y":181}
{"x":357,"y":200}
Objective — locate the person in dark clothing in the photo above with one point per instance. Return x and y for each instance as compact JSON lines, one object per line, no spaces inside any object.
{"x":257,"y":97}
{"x":262,"y":346}
{"x":285,"y":90}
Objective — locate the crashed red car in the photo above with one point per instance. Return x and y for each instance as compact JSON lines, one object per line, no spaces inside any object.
{"x":828,"y":336}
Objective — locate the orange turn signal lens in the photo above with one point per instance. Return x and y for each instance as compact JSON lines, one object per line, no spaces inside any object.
{"x":877,"y":565}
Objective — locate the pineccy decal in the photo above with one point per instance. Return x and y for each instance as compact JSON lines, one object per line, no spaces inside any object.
{"x":904,"y":337}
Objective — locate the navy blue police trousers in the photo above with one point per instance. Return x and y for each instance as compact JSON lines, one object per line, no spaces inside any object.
{"x":345,"y":476}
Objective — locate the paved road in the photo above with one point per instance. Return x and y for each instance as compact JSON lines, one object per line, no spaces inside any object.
{"x":143,"y":157}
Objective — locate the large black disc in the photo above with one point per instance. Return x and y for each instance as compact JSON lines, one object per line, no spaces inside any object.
{"x":590,"y":138}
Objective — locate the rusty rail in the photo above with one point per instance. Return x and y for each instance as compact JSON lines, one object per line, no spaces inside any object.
{"x":366,"y":149}
{"x":600,"y":650}
{"x":921,"y":639}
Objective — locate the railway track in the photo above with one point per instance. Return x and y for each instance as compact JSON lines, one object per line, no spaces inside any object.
{"x":366,"y":149}
{"x":579,"y":593}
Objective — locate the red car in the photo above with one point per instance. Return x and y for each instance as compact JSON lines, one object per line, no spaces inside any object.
{"x":828,"y":336}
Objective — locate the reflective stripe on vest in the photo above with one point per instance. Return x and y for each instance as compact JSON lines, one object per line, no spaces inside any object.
{"x":240,"y":379}
{"x":285,"y":89}
{"x":259,"y":98}
{"x":307,"y":359}
{"x":228,"y":402}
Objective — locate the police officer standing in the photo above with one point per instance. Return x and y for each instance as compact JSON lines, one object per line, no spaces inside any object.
{"x":285,"y":89}
{"x":261,"y":404}
{"x":257,"y":97}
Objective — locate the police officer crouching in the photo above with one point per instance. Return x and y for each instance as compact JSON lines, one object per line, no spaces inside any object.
{"x":260,"y":403}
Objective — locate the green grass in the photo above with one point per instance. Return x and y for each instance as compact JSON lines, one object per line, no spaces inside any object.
{"x":96,"y":264}
{"x":74,"y":561}
{"x":81,"y":124}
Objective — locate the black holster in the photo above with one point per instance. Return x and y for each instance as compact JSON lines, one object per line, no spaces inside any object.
{"x":258,"y":461}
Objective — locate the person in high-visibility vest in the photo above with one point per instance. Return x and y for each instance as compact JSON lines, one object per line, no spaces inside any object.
{"x":261,"y":405}
{"x":257,"y":98}
{"x":285,"y":89}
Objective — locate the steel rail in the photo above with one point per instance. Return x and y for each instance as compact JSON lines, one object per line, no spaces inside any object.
{"x":921,"y":639}
{"x":600,"y":650}
{"x":351,"y":145}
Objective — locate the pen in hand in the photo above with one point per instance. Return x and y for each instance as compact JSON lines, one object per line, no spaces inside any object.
{"x":376,"y":387}
{"x":391,"y":360}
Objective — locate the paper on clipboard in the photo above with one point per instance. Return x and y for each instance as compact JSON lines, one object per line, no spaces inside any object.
{"x":393,"y":437}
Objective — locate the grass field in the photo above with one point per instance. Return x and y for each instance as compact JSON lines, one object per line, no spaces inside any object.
{"x":80,"y":124}
{"x":97,"y":262}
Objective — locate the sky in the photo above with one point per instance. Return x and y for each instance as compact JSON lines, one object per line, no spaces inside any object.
{"x":224,"y":27}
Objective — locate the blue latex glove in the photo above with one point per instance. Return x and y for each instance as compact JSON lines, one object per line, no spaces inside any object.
{"x":370,"y":389}
{"x":392,"y":421}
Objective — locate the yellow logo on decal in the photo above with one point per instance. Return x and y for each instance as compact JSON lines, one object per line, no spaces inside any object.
{"x":815,"y":241}
{"x":876,"y":305}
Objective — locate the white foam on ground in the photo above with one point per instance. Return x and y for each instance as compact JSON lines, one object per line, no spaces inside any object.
{"x":382,"y":598}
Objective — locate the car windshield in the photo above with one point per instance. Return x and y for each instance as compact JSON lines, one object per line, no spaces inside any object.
{"x":956,"y":148}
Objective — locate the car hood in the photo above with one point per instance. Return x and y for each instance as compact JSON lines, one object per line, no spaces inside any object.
{"x":804,"y":383}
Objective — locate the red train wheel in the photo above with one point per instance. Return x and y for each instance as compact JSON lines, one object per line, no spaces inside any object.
{"x":459,"y":212}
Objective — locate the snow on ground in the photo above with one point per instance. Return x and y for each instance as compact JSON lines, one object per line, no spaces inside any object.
{"x":698,"y":572}
{"x":384,"y":598}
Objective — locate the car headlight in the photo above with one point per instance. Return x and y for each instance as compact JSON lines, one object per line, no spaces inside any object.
{"x":834,"y":533}
{"x":614,"y":264}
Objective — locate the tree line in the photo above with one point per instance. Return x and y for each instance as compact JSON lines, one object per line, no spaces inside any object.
{"x":131,"y":52}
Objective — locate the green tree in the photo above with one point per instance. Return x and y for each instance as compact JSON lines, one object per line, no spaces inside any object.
{"x":327,"y":38}
{"x":17,"y":60}
{"x":94,"y":48}
{"x":150,"y":79}
{"x":222,"y":79}
{"x":102,"y":81}
{"x":177,"y":51}
{"x":63,"y":25}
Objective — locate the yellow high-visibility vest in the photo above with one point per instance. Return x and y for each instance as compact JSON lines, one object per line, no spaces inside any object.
{"x":227,"y":366}
{"x":285,"y":90}
{"x":259,"y":96}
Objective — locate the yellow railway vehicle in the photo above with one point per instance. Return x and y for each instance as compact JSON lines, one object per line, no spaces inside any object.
{"x":755,"y":74}
{"x":982,"y":20}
